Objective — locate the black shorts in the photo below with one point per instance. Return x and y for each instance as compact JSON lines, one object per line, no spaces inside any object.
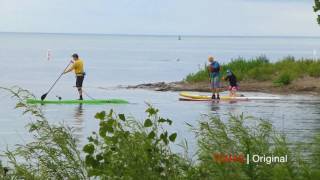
{"x":79,"y":81}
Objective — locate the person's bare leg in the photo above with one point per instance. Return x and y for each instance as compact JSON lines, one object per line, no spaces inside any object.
{"x":217,"y":92}
{"x":213,"y":93}
{"x":217,"y":85}
{"x":80,"y":93}
{"x":234,"y":92}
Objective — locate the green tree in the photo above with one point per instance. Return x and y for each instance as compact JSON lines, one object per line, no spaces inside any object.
{"x":316,"y":8}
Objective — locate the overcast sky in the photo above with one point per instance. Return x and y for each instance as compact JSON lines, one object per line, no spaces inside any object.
{"x":185,"y":17}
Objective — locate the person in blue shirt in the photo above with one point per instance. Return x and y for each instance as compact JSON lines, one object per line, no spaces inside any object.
{"x":214,"y":77}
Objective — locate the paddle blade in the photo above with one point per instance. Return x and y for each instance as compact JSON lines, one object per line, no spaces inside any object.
{"x":44,"y":96}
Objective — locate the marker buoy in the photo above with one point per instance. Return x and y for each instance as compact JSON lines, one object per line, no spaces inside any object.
{"x":48,"y":54}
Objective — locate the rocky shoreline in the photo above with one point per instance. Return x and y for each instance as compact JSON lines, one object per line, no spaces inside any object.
{"x":306,"y":85}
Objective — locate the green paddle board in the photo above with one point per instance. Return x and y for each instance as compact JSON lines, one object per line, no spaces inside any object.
{"x":94,"y":101}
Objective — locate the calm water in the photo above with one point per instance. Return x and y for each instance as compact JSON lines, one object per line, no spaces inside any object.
{"x":123,"y":60}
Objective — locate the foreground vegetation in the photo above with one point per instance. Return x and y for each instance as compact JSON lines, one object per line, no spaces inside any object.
{"x":282,"y":72}
{"x":124,"y":148}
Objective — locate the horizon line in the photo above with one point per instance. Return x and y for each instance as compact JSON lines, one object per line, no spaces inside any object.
{"x":163,"y":35}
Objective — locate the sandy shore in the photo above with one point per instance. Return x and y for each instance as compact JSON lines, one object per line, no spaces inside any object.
{"x":306,"y":85}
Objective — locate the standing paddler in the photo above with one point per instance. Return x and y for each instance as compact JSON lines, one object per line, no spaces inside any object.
{"x":78,"y":67}
{"x":214,"y":77}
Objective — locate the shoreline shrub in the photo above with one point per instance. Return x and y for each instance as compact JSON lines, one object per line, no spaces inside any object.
{"x":132,"y":150}
{"x":282,"y":72}
{"x":284,"y":79}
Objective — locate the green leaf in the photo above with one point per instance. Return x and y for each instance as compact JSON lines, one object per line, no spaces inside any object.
{"x":109,"y":125}
{"x":152,"y":111}
{"x":90,"y":161}
{"x":147,"y":123}
{"x":164,"y":137}
{"x":103,"y":129}
{"x":151,"y":135}
{"x":89,"y":148}
{"x":114,"y":139}
{"x":110,"y":129}
{"x":111,"y":122}
{"x":101,"y":115}
{"x":173,"y":137}
{"x":161,"y":120}
{"x":99,"y":157}
{"x":122,"y":117}
{"x":90,"y":139}
{"x":33,"y":127}
{"x":110,"y":113}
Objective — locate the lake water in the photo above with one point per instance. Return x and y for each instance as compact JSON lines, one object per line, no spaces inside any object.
{"x":127,"y":60}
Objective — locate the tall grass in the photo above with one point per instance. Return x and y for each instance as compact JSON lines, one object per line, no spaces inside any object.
{"x":282,"y":72}
{"x":243,"y":135}
{"x":54,"y":152}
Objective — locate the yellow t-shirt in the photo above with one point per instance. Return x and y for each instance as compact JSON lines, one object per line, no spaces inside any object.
{"x":78,"y":67}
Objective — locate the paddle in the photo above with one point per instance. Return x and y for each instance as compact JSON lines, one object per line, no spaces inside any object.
{"x":45,"y":95}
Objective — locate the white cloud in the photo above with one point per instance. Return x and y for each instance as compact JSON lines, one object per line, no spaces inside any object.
{"x":203,"y":17}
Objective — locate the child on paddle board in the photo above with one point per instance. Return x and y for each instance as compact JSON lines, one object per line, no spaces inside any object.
{"x":214,"y":77}
{"x":233,"y":84}
{"x":78,"y":68}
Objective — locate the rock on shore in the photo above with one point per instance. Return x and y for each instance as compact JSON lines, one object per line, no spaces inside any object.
{"x":301,"y":86}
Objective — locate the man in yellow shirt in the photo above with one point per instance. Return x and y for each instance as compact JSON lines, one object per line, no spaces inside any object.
{"x":78,"y":68}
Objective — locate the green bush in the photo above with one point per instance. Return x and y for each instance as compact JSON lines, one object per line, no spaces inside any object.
{"x":284,"y":79}
{"x":263,"y":73}
{"x":132,"y":150}
{"x":124,"y":148}
{"x":241,"y":66}
{"x":202,"y":75}
{"x":314,"y":71}
{"x":260,"y":69}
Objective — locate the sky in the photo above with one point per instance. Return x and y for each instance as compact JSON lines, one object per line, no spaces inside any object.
{"x":161,"y":17}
